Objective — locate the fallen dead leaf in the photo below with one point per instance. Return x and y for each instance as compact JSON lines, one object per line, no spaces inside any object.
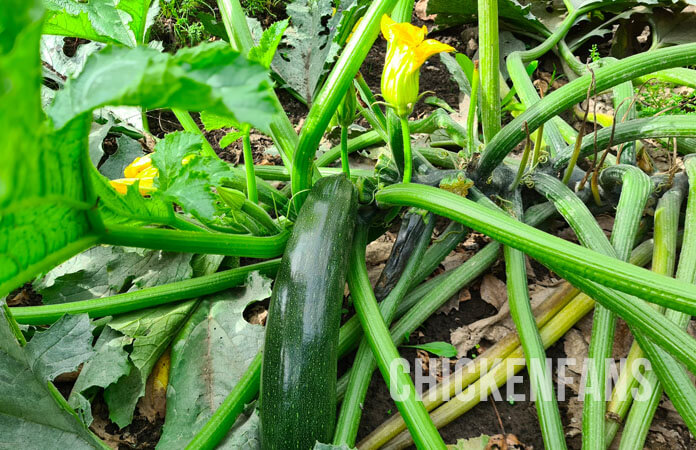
{"x":493,"y":291}
{"x":421,"y":11}
{"x":453,"y":303}
{"x":507,"y":442}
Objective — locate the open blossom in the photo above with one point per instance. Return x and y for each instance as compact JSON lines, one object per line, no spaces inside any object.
{"x":142,"y":170}
{"x":407,"y":50}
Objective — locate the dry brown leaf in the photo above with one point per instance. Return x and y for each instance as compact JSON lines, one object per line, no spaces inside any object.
{"x":453,"y":303}
{"x":493,"y":291}
{"x":453,"y":260}
{"x":421,"y":8}
{"x":507,"y":442}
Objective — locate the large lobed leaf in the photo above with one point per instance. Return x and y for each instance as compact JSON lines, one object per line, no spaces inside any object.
{"x":198,"y":385}
{"x":43,"y":200}
{"x":113,"y":21}
{"x":208,"y":77}
{"x":33,"y":415}
{"x":104,"y":270}
{"x":307,"y":46}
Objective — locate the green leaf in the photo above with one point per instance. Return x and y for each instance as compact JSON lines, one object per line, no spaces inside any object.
{"x":455,"y":12}
{"x":169,"y":153}
{"x":264,"y":52}
{"x":44,"y":217}
{"x":230,"y":138}
{"x":112,"y":21}
{"x":475,"y":443}
{"x":198,"y":385}
{"x":437,"y":348}
{"x":673,"y":28}
{"x":213,"y":121}
{"x":208,"y":77}
{"x":151,"y":330}
{"x":308,"y":45}
{"x":32,"y":412}
{"x":189,"y":185}
{"x":128,"y":149}
{"x":57,"y":66}
{"x":466,"y":64}
{"x":109,"y":363}
{"x":103,"y":271}
{"x":131,"y":208}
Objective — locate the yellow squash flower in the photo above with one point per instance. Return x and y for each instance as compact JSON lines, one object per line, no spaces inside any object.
{"x":407,"y":50}
{"x":141,"y":169}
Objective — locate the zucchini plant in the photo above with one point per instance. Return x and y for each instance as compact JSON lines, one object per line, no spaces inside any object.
{"x":147,"y":258}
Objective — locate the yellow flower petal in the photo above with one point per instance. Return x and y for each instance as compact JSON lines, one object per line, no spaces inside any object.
{"x":145,"y":185}
{"x":405,"y":33}
{"x":428,"y":48}
{"x":406,"y":52}
{"x":137,"y":166}
{"x":385,"y":24}
{"x":150,"y":172}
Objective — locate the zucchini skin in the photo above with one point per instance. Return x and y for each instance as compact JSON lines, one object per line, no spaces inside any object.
{"x":298,"y":377}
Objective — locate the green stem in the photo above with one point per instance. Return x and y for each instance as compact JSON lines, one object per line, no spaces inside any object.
{"x":330,"y":95}
{"x":402,"y":11}
{"x":537,"y":146}
{"x":489,"y":55}
{"x":345,"y":164}
{"x":280,"y":173}
{"x":196,"y":242}
{"x":249,"y":167}
{"x":646,"y":128}
{"x":471,"y":114}
{"x":236,"y":26}
{"x":641,"y":414}
{"x":424,"y":433}
{"x":364,"y":364}
{"x":523,"y":164}
{"x":548,"y":319}
{"x":497,"y":375}
{"x":408,"y":159}
{"x":535,"y":356}
{"x":190,"y":125}
{"x":370,"y":99}
{"x":216,"y":428}
{"x":144,"y":298}
{"x":547,"y":249}
{"x":358,"y":143}
{"x":573,"y":92}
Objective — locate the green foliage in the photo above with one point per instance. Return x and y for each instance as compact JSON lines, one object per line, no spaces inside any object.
{"x":44,"y":220}
{"x":151,"y":331}
{"x":261,"y":7}
{"x":210,"y":76}
{"x":103,"y":271}
{"x":183,"y":16}
{"x":124,"y":21}
{"x":199,"y":385}
{"x":659,"y":98}
{"x":437,"y":348}
{"x":308,"y":45}
{"x":32,"y":411}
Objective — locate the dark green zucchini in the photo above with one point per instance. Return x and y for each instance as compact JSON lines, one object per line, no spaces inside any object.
{"x":298,"y":378}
